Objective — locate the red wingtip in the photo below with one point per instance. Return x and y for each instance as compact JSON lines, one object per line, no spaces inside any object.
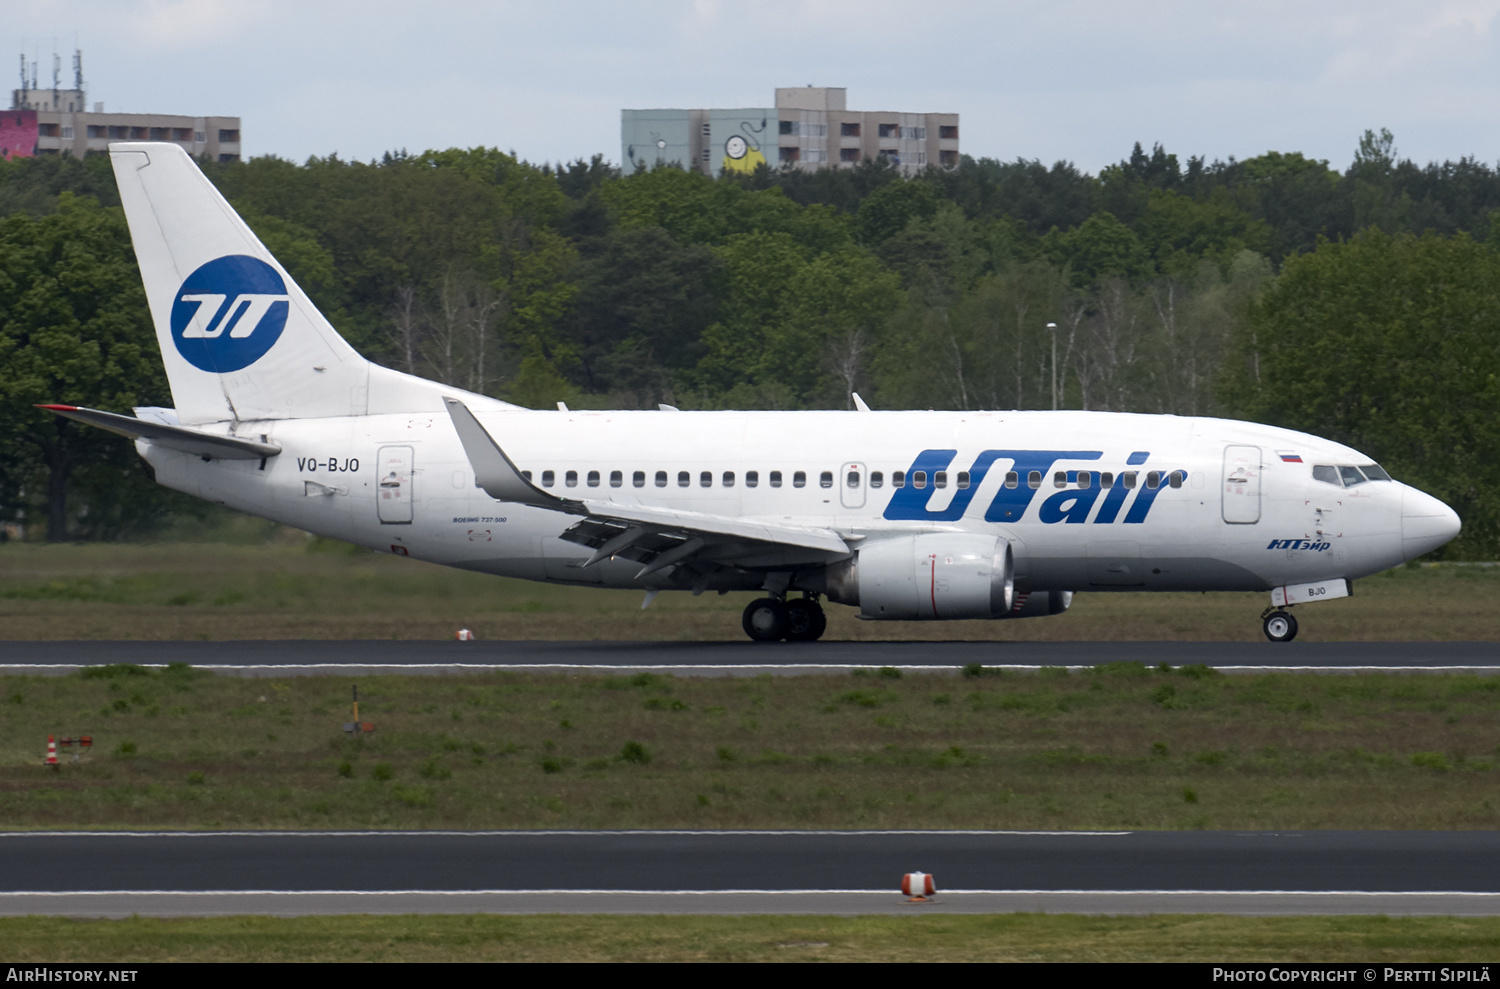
{"x":59,"y":408}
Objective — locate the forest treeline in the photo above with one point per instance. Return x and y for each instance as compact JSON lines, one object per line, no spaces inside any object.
{"x":1362,"y":304}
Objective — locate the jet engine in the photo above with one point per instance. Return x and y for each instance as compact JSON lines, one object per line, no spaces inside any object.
{"x":930,"y":575}
{"x":1036,"y":604}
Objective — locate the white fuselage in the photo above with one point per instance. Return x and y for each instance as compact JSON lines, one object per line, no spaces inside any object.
{"x":1245,"y":514}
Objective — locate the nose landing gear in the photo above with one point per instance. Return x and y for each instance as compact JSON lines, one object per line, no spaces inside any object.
{"x":771,"y":619}
{"x":1279,"y":625}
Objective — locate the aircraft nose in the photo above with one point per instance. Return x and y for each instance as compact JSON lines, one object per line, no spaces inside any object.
{"x":1426,"y":523}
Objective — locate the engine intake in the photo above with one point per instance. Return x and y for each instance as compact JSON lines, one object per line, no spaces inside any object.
{"x":932,"y":575}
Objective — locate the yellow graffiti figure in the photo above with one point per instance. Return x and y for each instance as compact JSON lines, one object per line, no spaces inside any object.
{"x":739,"y":156}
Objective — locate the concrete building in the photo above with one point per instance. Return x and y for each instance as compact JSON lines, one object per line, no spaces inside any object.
{"x":56,"y":121}
{"x":808,"y":128}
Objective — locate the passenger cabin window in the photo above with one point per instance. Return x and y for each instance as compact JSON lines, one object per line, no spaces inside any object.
{"x":1176,"y":478}
{"x":728,"y":479}
{"x":661,"y":479}
{"x":1085,"y":479}
{"x":799,"y":479}
{"x":616,"y":479}
{"x":919,"y":479}
{"x":593,"y":479}
{"x":1106,"y":480}
{"x":898,"y":478}
{"x":963,"y":480}
{"x":548,"y":478}
{"x":571,"y":479}
{"x":752,"y":478}
{"x":940,"y":479}
{"x":706,"y":479}
{"x":1153,"y":479}
{"x":852,"y":479}
{"x":684,"y":479}
{"x":877,"y":479}
{"x":775,"y":478}
{"x":1034,"y":480}
{"x":825,"y":479}
{"x":1060,"y":479}
{"x":1012,"y":479}
{"x":525,"y":473}
{"x":638,"y":479}
{"x":1128,"y":479}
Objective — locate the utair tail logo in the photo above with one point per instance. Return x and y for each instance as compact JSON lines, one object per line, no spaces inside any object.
{"x":228,"y":313}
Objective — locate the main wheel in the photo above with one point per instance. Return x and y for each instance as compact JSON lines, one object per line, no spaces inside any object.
{"x":1280,"y":627}
{"x":805,"y":621}
{"x":765,"y":620}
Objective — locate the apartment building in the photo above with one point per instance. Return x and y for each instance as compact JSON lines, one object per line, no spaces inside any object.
{"x":50,"y":121}
{"x":808,"y":128}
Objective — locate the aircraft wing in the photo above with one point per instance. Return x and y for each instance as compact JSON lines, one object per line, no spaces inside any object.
{"x":657,"y":537}
{"x":210,"y":446}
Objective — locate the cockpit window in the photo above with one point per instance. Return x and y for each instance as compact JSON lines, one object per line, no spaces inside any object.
{"x":1374,"y":472}
{"x":1351,"y":475}
{"x":1327,"y":474}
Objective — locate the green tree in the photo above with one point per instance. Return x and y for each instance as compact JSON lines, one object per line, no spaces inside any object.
{"x":1100,"y":247}
{"x":1390,"y":344}
{"x":75,"y":330}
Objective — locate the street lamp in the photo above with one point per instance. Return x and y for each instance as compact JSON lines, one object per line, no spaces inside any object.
{"x":1053,"y":328}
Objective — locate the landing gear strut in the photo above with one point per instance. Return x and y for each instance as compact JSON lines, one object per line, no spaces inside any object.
{"x":770,"y":620}
{"x":1280,"y":626}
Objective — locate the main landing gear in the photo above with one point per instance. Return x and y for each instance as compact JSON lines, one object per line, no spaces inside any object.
{"x":773,"y":619}
{"x":1279,"y":625}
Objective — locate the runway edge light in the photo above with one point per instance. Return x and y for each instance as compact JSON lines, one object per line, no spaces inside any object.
{"x":464,"y":635}
{"x":917,"y":886}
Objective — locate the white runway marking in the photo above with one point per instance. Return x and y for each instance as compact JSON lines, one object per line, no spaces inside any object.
{"x":522,"y":834}
{"x":687,"y":669}
{"x":750,"y":892}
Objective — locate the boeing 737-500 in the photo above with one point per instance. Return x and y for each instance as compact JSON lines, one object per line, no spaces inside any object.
{"x":903,"y":515}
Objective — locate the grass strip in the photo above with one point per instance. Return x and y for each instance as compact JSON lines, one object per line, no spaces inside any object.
{"x":1122,"y":746}
{"x":321,"y":589}
{"x":950,"y":937}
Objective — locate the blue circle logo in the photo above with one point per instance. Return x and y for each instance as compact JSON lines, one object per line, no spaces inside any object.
{"x":228,"y":313}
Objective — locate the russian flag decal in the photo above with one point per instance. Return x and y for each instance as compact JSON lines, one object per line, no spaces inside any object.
{"x":1288,"y":457}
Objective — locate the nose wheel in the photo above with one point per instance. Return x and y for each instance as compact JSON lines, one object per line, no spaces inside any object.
{"x":1279,"y":626}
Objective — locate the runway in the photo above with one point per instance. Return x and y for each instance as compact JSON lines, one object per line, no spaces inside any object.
{"x":371,"y":657}
{"x":300,"y":873}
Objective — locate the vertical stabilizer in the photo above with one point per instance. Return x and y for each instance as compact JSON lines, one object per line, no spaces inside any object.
{"x":240,"y":339}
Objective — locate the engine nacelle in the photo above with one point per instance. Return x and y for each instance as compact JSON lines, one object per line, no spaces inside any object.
{"x":1037,"y":604}
{"x":931,"y":575}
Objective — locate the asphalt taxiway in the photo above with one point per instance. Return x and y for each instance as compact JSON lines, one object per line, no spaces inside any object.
{"x":827,"y":872}
{"x":307,"y":657}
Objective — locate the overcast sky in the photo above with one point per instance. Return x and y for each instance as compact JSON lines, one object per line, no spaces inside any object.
{"x":1051,"y":79}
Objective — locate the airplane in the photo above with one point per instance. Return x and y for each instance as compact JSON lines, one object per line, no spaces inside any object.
{"x":906,"y":515}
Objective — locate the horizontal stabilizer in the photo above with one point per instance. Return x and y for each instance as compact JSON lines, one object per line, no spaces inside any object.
{"x":183,"y":438}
